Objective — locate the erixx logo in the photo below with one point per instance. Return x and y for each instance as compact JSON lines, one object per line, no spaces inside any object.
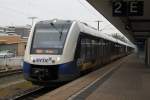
{"x":44,"y":60}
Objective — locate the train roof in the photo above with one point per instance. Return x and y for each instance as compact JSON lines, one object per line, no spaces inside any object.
{"x":85,"y":28}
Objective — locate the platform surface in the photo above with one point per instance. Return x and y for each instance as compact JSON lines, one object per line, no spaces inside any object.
{"x":130,"y":80}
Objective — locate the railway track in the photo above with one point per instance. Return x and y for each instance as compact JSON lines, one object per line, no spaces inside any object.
{"x":36,"y":92}
{"x":30,"y":94}
{"x":10,"y":72}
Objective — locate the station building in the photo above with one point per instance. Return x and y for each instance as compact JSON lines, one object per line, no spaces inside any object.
{"x":14,"y":38}
{"x":14,"y":43}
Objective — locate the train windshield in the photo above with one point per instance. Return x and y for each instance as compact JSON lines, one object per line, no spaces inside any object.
{"x":49,"y":37}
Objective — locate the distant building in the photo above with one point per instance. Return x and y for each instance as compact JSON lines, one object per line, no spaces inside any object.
{"x":2,"y":31}
{"x":14,"y":43}
{"x":10,"y":29}
{"x":23,"y":31}
{"x":14,"y":39}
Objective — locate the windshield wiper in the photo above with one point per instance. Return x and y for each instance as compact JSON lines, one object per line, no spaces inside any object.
{"x":60,"y":32}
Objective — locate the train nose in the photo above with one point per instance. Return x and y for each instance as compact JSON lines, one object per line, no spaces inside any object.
{"x":44,"y":74}
{"x":41,"y":74}
{"x":36,"y":72}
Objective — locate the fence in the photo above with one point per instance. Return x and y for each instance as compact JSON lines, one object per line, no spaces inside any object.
{"x":15,"y":62}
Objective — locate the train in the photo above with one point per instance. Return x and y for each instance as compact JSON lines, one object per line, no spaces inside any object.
{"x":61,"y":50}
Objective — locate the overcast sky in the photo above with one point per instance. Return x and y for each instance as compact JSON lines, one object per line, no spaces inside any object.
{"x":16,"y":12}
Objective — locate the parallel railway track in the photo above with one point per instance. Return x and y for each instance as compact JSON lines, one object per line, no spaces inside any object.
{"x":29,"y":95}
{"x":36,"y":92}
{"x":10,"y":72}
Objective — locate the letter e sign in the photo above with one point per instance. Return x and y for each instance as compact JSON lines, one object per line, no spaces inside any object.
{"x":127,"y":8}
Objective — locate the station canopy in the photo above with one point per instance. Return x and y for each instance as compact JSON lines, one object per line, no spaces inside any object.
{"x":135,"y":27}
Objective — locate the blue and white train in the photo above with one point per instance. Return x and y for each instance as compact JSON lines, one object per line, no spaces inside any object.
{"x":60,"y":50}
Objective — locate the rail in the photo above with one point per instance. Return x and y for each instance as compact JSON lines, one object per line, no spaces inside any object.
{"x":30,"y":94}
{"x":10,"y":72}
{"x":36,"y":92}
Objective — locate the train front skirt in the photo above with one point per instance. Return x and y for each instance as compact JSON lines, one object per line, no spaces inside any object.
{"x":50,"y":73}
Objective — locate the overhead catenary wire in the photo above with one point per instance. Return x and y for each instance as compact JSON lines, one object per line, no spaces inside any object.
{"x":87,"y":8}
{"x":92,"y":12}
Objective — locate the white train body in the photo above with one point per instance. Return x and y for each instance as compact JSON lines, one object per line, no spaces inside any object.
{"x":57,"y":61}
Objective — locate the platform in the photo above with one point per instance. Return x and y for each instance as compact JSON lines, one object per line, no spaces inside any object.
{"x":124,"y":79}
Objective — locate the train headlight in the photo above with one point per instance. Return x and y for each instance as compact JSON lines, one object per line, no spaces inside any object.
{"x":55,"y":20}
{"x":58,"y":59}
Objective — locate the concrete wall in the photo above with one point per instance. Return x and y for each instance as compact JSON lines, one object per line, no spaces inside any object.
{"x":11,"y":62}
{"x":21,"y":48}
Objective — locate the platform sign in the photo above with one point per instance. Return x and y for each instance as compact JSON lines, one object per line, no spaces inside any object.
{"x":128,"y":8}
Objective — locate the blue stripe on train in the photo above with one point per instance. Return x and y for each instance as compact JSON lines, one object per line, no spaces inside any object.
{"x":68,"y":68}
{"x":26,"y":68}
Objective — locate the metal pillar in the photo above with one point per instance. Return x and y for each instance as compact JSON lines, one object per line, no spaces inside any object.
{"x":147,"y":56}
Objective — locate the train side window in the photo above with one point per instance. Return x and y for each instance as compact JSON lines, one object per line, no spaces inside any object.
{"x":101,"y":47}
{"x":92,"y":48}
{"x":88,"y":45}
{"x":96,"y":48}
{"x":83,"y":48}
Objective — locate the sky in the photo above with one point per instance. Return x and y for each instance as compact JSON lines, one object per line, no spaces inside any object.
{"x":17,"y":12}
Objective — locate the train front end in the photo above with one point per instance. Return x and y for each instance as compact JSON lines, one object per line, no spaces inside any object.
{"x":45,"y":60}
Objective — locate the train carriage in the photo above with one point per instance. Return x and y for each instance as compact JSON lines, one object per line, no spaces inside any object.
{"x":60,"y":50}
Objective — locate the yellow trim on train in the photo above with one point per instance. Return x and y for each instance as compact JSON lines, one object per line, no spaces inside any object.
{"x":87,"y":65}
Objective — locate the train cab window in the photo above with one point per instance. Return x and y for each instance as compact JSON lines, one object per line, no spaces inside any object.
{"x":50,"y":36}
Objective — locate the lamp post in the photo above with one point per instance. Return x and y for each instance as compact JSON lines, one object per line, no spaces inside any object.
{"x":32,"y":18}
{"x":98,"y":24}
